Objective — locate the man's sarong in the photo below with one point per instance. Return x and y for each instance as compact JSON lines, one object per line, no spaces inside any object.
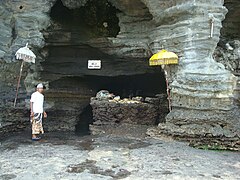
{"x":36,"y":120}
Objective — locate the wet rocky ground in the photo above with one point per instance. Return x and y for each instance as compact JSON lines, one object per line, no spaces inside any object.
{"x":67,"y":156}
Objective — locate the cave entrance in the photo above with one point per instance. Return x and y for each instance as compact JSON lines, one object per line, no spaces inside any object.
{"x":84,"y":87}
{"x":67,"y":51}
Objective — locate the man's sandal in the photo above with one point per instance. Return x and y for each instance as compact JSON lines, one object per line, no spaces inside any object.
{"x":36,"y":138}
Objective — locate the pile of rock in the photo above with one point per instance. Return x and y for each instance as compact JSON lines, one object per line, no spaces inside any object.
{"x":228,"y":54}
{"x":110,"y":109}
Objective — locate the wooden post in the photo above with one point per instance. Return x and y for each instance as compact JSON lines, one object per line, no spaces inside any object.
{"x":18,"y":84}
{"x":168,"y":89}
{"x":211,"y":25}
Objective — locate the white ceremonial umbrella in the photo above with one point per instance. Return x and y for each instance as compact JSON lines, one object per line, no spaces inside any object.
{"x":26,"y":55}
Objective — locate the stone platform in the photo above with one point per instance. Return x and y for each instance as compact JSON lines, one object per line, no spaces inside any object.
{"x":132,"y":111}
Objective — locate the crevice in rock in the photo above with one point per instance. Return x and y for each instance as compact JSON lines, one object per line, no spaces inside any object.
{"x":231,"y":24}
{"x":84,"y":119}
{"x":14,"y":33}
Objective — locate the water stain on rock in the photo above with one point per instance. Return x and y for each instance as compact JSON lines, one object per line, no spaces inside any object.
{"x":176,"y":159}
{"x":90,"y":165}
{"x":79,"y":168}
{"x":125,"y":142}
{"x":7,"y":176}
{"x":138,"y":145}
{"x":217,"y":176}
{"x":167,"y":172}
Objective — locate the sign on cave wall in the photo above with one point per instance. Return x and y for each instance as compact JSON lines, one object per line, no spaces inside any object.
{"x":94,"y":64}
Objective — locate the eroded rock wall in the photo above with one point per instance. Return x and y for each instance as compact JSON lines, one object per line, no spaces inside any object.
{"x":110,"y":112}
{"x":21,"y":22}
{"x":202,"y":90}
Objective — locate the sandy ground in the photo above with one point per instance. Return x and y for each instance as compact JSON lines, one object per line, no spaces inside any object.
{"x":67,"y":156}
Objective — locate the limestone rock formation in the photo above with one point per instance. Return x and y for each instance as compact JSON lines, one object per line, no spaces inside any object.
{"x":202,"y":89}
{"x":65,"y":34}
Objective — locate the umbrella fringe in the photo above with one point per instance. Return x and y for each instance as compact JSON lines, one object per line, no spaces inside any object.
{"x":25,"y":57}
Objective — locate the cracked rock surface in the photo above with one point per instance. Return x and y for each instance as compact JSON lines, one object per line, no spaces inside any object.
{"x":67,"y":156}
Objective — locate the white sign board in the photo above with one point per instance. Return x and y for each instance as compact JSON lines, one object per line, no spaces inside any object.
{"x":94,"y":64}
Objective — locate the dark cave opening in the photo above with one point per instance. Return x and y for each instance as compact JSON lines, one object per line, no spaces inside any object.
{"x":144,"y":85}
{"x":71,"y":83}
{"x":231,"y":23}
{"x":94,"y":19}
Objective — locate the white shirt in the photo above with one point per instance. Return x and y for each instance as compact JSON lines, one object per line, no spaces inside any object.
{"x":37,"y":99}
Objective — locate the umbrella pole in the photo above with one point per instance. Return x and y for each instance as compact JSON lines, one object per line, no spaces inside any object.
{"x":18,"y":84}
{"x":168,"y":92}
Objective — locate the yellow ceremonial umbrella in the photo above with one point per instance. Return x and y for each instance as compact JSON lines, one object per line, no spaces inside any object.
{"x":162,"y":58}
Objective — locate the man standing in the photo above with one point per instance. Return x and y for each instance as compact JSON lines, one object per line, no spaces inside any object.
{"x":37,"y":112}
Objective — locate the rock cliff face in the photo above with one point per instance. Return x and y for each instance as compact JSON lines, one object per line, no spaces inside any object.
{"x":123,"y":34}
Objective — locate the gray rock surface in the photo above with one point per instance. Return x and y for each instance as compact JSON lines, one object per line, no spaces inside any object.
{"x":66,"y":156}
